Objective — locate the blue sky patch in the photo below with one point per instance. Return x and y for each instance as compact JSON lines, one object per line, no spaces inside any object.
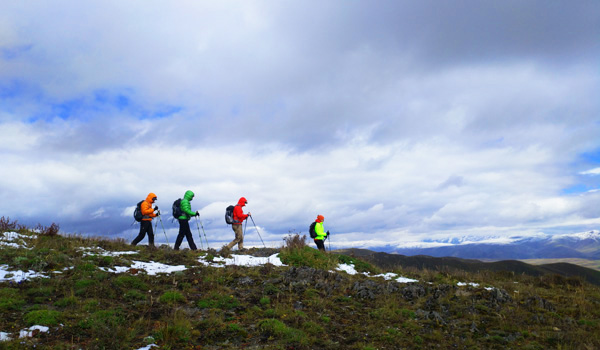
{"x":579,"y":188}
{"x":11,"y":53}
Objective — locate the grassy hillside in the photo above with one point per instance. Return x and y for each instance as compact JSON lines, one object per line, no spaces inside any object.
{"x":590,"y":264}
{"x":448,"y":264}
{"x":100,"y":294}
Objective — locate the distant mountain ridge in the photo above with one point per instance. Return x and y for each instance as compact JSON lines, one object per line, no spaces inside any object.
{"x":390,"y":261}
{"x":583,"y":245}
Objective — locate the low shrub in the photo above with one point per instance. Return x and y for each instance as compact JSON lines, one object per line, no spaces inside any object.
{"x":42,"y":318}
{"x":130,"y":282}
{"x":172,"y":297}
{"x":218,"y":301}
{"x":278,"y":329}
{"x":294,"y":241}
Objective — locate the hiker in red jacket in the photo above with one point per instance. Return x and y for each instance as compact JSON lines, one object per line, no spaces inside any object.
{"x":238,"y":218}
{"x":146,"y":223}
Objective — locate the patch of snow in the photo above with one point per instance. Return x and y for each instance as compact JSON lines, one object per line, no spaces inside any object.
{"x":248,"y":260}
{"x":148,"y":347}
{"x":349,"y":269}
{"x":17,"y":276}
{"x":460,"y":284}
{"x":4,"y":336}
{"x":10,"y":244}
{"x":28,"y":332}
{"x":405,"y":280}
{"x":14,"y":240}
{"x":387,"y":276}
{"x":99,"y":251}
{"x":243,"y":260}
{"x":211,"y":264}
{"x":151,"y":268}
{"x":14,"y":235}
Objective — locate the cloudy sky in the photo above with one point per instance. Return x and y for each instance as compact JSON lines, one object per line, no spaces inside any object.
{"x":396,"y":120}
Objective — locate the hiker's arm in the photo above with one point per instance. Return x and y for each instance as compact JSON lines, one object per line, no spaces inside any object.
{"x":186,"y":207}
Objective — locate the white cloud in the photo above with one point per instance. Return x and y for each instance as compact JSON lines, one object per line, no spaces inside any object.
{"x":594,"y":171}
{"x":386,"y":133}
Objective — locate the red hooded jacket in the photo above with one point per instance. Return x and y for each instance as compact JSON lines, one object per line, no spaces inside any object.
{"x":238,"y":213}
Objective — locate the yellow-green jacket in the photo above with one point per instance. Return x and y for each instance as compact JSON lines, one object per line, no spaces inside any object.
{"x":320,"y":231}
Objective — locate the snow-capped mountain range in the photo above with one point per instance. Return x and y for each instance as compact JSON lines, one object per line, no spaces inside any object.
{"x":585,"y":245}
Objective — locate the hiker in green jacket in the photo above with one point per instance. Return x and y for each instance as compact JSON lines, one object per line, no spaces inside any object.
{"x":184,"y":225}
{"x":321,"y":234}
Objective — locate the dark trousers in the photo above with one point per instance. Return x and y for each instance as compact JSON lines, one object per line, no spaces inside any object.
{"x":184,"y":230}
{"x":320,"y":244}
{"x":145,"y":227}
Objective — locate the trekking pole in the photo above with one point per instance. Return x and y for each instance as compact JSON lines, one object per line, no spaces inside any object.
{"x":163,"y":226}
{"x":329,"y":239}
{"x":244,"y":233}
{"x":199,"y":235}
{"x":263,"y":242}
{"x":206,"y":239}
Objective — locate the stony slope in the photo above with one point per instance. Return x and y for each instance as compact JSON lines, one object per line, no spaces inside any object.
{"x":99,"y":294}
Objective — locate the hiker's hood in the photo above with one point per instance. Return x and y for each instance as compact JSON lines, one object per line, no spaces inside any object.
{"x":189,"y":195}
{"x":150,"y":196}
{"x":242,"y":201}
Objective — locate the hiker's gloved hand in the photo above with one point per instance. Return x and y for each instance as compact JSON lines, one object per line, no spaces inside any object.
{"x":328,"y":233}
{"x":197,"y":213}
{"x":158,"y":212}
{"x":249,"y":214}
{"x":156,"y":207}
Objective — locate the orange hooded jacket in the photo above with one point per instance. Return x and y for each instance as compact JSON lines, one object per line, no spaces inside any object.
{"x":146,"y":207}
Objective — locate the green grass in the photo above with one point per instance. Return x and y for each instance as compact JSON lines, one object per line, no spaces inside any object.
{"x":42,"y":317}
{"x":307,"y":256}
{"x":172,"y":297}
{"x":210,"y":308}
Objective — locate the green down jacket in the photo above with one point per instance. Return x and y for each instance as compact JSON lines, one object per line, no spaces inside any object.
{"x":186,"y":207}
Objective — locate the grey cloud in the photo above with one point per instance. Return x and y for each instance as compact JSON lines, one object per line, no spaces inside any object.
{"x":453,"y":180}
{"x":356,"y":110}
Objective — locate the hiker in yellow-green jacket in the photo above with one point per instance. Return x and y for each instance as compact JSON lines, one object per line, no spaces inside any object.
{"x":321,"y":235}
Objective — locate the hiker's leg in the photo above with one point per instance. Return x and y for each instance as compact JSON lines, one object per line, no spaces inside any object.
{"x":320,"y":244}
{"x":235,"y":231}
{"x":150,"y":232}
{"x":239,"y":234}
{"x":181,"y":233}
{"x":140,"y":235}
{"x":188,"y":235}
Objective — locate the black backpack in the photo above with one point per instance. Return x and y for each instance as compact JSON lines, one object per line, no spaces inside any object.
{"x":229,"y":215}
{"x":311,"y":230}
{"x":177,"y":209}
{"x":137,"y":213}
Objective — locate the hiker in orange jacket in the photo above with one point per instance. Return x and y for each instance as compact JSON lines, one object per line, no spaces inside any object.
{"x":238,"y":218}
{"x":146,"y":223}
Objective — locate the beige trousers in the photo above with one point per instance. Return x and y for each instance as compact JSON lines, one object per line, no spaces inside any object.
{"x":239,"y":237}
